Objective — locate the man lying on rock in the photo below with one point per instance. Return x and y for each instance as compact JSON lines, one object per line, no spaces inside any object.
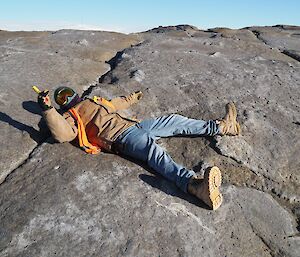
{"x":98,"y":125}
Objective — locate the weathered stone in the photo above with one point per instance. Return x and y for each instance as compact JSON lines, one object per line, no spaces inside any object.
{"x":197,"y":79}
{"x":163,"y":29}
{"x":105,"y":205}
{"x":64,"y":202}
{"x":285,"y":38}
{"x":45,"y":59}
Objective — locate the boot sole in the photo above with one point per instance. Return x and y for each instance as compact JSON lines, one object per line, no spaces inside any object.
{"x":214,"y":179}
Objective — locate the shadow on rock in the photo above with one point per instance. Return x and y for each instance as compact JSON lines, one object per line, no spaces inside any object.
{"x":160,"y":183}
{"x":32,"y":107}
{"x":37,"y":136}
{"x":34,"y":134}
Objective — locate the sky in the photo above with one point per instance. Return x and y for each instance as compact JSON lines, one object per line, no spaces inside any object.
{"x":129,"y":16}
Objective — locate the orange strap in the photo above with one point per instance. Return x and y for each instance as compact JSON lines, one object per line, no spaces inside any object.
{"x":83,"y":141}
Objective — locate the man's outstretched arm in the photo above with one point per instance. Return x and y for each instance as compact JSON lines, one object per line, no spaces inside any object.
{"x":63,"y":128}
{"x":123,"y":102}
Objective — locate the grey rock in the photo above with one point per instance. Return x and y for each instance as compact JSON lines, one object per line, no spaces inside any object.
{"x":45,"y":59}
{"x":283,"y":37}
{"x":195,"y":79}
{"x":61,"y":201}
{"x":107,"y":206}
{"x":163,"y":29}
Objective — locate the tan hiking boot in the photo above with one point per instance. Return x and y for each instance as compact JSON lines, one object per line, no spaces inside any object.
{"x":229,"y":125}
{"x":207,"y":188}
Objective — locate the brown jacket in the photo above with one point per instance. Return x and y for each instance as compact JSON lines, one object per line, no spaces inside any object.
{"x":103,"y":123}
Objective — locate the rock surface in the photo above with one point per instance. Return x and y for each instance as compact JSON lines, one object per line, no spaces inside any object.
{"x":46,"y":59}
{"x":285,"y":38}
{"x":82,"y":205}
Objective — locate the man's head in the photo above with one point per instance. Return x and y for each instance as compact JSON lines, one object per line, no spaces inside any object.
{"x":66,"y":97}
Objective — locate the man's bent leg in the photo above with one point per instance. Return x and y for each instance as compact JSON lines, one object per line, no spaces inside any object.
{"x":174,"y":124}
{"x":162,"y":162}
{"x":139,"y":145}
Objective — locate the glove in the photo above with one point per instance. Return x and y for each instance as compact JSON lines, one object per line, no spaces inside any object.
{"x":139,"y":95}
{"x":44,"y":100}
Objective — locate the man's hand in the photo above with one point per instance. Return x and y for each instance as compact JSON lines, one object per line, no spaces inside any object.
{"x":139,"y":95}
{"x":44,"y":100}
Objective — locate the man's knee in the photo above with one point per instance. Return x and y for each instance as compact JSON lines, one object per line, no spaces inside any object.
{"x":176,"y":116}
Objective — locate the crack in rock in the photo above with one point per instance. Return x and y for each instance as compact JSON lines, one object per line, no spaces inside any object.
{"x":113,"y":62}
{"x":268,"y":246}
{"x":177,"y":208}
{"x":289,"y":53}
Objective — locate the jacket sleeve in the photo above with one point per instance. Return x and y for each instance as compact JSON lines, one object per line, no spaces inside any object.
{"x":63,"y":128}
{"x":123,"y":102}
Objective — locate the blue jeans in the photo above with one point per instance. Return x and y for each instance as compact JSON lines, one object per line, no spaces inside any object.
{"x":139,"y":142}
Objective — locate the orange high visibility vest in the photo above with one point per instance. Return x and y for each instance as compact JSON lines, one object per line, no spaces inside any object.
{"x":83,"y":140}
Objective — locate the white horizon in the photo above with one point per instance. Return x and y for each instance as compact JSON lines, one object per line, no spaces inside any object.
{"x":55,"y":26}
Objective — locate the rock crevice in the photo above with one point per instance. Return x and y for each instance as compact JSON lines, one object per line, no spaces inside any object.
{"x":107,"y":205}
